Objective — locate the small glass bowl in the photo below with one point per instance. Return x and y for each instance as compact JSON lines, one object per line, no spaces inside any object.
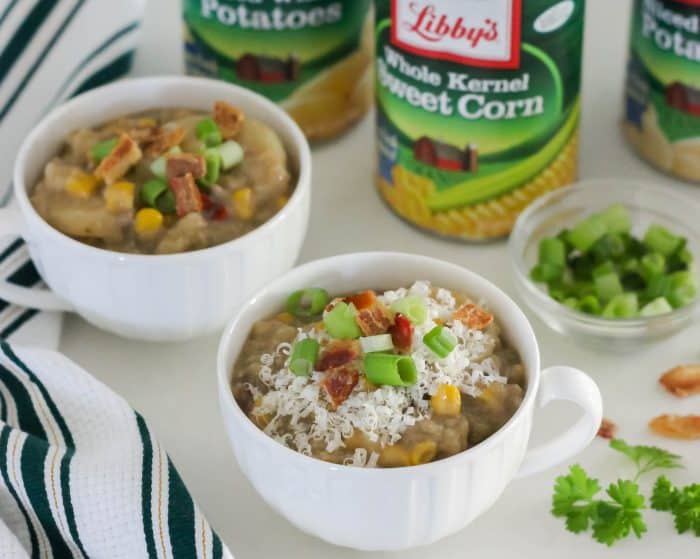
{"x":564,"y":207}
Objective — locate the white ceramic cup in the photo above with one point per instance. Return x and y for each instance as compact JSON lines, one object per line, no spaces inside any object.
{"x":392,"y":509}
{"x":153,"y":297}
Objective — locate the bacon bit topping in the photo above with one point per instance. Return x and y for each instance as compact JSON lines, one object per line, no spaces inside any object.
{"x":125,"y":154}
{"x":213,"y":210}
{"x":165,"y":138}
{"x":339,"y":382}
{"x":473,"y":316}
{"x":142,"y":135}
{"x":362,"y":300}
{"x":184,"y":163}
{"x":685,"y":427}
{"x":228,"y":118}
{"x":373,"y":320}
{"x":682,"y":381}
{"x":187,"y":196}
{"x":337,"y":353}
{"x":401,"y":333}
{"x":607,"y":430}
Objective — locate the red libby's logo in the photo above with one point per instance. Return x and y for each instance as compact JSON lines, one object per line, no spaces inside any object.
{"x":475,"y":32}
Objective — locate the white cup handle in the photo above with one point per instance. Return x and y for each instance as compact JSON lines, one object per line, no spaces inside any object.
{"x":42,"y":299}
{"x":565,"y":383}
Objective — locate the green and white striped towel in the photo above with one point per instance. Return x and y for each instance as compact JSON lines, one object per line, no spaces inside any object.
{"x":50,"y":50}
{"x":81,"y":474}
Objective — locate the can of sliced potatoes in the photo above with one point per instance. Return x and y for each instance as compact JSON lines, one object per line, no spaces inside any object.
{"x":477,"y":108}
{"x":662,"y":93}
{"x":311,"y":56}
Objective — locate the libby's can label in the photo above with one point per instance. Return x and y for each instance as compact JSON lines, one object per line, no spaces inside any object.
{"x":477,"y":108}
{"x":662,"y":93}
{"x":312,"y":56}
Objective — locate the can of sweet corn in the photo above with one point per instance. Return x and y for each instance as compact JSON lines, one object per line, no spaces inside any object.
{"x":662,"y":92}
{"x":477,"y":109}
{"x":314,"y":57}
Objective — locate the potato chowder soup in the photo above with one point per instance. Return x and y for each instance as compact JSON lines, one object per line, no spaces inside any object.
{"x":400,"y":378}
{"x":165,"y":180}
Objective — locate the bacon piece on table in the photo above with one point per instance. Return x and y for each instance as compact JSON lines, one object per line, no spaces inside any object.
{"x":473,"y":316}
{"x":187,"y":196}
{"x":337,"y":353}
{"x":122,"y":157}
{"x":228,"y":118}
{"x":607,"y":430}
{"x":682,"y":381}
{"x":676,"y":426}
{"x":339,"y":382}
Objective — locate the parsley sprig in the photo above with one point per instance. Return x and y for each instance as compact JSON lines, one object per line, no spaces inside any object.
{"x":618,"y":512}
{"x":683,"y":503}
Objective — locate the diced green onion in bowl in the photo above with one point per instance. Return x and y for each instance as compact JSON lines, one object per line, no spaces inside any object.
{"x":341,"y":322}
{"x":231,"y":154}
{"x":380,"y":342}
{"x":102,"y":149}
{"x":412,"y":307}
{"x":166,"y":202}
{"x":389,"y":369}
{"x":213,"y":167}
{"x":441,"y":341}
{"x":621,"y":239}
{"x":303,"y":357}
{"x":151,"y":191}
{"x":307,"y":303}
{"x":600,"y":267}
{"x":208,"y":131}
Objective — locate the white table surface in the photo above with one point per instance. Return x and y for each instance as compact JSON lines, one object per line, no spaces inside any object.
{"x":173,"y":385}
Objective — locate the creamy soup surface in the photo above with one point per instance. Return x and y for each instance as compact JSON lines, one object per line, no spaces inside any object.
{"x":398,"y":378}
{"x":165,"y":180}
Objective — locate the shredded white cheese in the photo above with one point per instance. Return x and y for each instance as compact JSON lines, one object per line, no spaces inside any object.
{"x":298,"y":412}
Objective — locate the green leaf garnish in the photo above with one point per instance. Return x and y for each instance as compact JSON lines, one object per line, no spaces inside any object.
{"x":682,"y":503}
{"x":647,"y":458}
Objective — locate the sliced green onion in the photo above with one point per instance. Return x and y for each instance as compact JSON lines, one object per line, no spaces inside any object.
{"x":231,"y":154}
{"x":208,"y":131}
{"x":682,"y":288}
{"x":544,"y":273}
{"x":307,"y":303}
{"x":441,"y":341}
{"x":151,"y":191}
{"x":656,"y":307}
{"x":412,"y":307}
{"x":589,"y":304}
{"x":166,"y":202}
{"x":624,"y":305}
{"x":616,"y":219}
{"x":340,"y":322}
{"x":303,"y":358}
{"x":380,"y":342}
{"x":609,"y":246}
{"x":586,"y":233}
{"x":552,"y":251}
{"x":158,"y":166}
{"x":652,"y":264}
{"x":391,"y":370}
{"x":213,"y":163}
{"x":660,"y":239}
{"x":102,"y":149}
{"x":607,"y":286}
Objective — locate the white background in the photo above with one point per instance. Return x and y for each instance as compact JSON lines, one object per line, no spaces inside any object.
{"x":174,"y":385}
